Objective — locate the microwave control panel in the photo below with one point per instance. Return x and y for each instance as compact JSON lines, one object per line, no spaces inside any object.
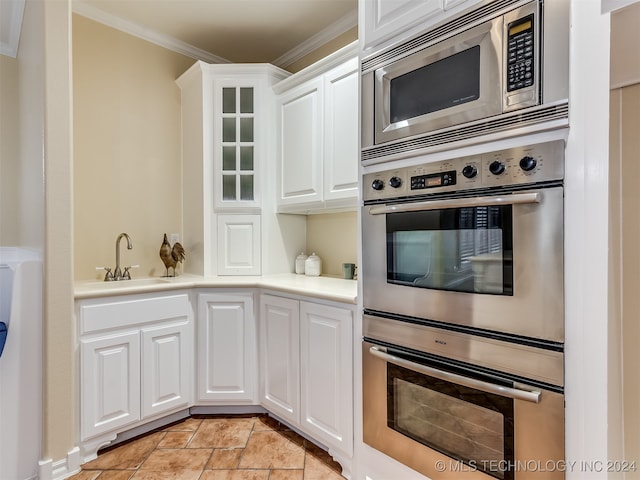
{"x":520,"y":54}
{"x":515,"y":166}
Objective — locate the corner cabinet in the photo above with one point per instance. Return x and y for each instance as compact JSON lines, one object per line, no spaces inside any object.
{"x":227,"y":130}
{"x":135,"y":360}
{"x":317,"y":117}
{"x":306,"y":357}
{"x":227,"y":349}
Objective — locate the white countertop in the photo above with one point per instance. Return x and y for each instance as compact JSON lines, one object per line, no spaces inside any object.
{"x":328,"y":288}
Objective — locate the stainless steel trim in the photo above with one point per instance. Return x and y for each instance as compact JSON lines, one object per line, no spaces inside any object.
{"x":515,"y":199}
{"x":508,"y":123}
{"x":517,"y":394}
{"x":523,"y":361}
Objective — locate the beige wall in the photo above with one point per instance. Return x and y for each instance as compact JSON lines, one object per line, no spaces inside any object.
{"x":21,"y":162}
{"x":127,"y":154}
{"x":625,"y":219}
{"x":9,"y":151}
{"x":334,"y":238}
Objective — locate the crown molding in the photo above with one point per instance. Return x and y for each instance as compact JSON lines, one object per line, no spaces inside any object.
{"x":166,"y":41}
{"x":321,"y":38}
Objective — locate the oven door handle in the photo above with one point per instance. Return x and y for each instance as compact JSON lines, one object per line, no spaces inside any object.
{"x":515,"y":393}
{"x":487,"y":201}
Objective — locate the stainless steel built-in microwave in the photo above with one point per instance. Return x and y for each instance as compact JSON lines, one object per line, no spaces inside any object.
{"x":480,"y":72}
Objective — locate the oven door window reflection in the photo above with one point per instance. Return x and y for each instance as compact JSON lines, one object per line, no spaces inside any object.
{"x":471,"y":426}
{"x":459,"y":249}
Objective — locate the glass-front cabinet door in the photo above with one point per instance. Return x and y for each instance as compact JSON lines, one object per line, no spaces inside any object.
{"x":235,"y":163}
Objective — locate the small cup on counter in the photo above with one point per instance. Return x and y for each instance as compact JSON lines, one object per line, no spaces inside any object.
{"x":348,"y":270}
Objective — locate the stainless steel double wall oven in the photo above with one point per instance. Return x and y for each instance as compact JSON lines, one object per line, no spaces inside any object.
{"x":462,"y":255}
{"x":464,"y":314}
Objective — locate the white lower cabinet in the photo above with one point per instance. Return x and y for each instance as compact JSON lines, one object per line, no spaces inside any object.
{"x":280,"y":356}
{"x":227,"y":358}
{"x":306,"y":355}
{"x":326,"y":364}
{"x":110,"y":384}
{"x":136,"y":357}
{"x":165,"y":368}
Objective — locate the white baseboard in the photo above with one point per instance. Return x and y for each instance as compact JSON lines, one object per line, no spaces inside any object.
{"x":50,"y":470}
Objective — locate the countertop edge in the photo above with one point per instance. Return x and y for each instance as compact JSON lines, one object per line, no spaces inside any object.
{"x":325,"y":288}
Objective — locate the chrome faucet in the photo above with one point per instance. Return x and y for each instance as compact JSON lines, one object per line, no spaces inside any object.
{"x":117,"y":274}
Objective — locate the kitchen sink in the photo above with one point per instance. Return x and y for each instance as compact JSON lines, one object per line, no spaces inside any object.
{"x":114,"y":285}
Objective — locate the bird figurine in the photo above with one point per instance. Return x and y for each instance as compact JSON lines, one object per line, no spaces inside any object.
{"x":171,"y":255}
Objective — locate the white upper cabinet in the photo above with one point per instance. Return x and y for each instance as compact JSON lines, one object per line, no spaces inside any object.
{"x":301,"y":145}
{"x":385,"y":18}
{"x":341,"y":132}
{"x":385,"y":22}
{"x":228,"y":116}
{"x":227,"y":124}
{"x":239,"y":251}
{"x":318,"y":135}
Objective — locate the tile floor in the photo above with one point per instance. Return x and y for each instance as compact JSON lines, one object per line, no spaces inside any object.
{"x":215,"y":448}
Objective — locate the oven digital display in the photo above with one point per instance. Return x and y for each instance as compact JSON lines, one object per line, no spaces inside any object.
{"x":440,"y":179}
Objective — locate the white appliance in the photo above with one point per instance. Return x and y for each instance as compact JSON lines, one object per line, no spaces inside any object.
{"x":20,"y":363}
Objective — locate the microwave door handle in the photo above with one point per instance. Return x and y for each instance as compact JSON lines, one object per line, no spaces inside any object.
{"x":515,"y":199}
{"x":515,"y":393}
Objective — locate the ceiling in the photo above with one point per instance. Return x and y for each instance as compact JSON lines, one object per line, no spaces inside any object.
{"x":270,"y":31}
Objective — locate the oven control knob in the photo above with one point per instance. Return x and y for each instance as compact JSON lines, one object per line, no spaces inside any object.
{"x":528,"y":163}
{"x":377,"y":184}
{"x":395,"y":182}
{"x":496,"y":167}
{"x":470,"y":171}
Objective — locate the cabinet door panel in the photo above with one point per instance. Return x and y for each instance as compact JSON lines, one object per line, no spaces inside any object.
{"x":226,"y":344}
{"x":301,"y":132}
{"x":327,"y":374}
{"x":110,"y":385}
{"x":386,"y":18}
{"x":166,"y":369}
{"x":239,"y":245}
{"x":341,"y":139}
{"x":280,"y":353}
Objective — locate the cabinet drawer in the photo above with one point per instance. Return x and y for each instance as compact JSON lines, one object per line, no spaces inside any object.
{"x":101,"y":315}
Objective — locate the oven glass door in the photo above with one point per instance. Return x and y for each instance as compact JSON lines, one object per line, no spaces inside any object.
{"x":464,"y":423}
{"x":468,"y":249}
